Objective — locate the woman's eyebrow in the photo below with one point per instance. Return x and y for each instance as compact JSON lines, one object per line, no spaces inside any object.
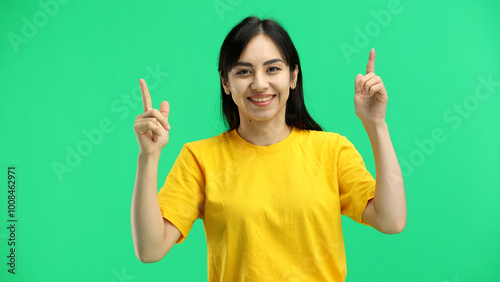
{"x":272,"y":61}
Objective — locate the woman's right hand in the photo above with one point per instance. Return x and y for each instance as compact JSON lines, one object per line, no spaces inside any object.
{"x":151,"y":127}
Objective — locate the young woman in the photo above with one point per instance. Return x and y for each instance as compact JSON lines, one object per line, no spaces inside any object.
{"x":271,"y":189}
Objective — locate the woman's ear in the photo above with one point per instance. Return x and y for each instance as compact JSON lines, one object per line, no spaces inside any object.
{"x":293,"y":77}
{"x":225,"y":84}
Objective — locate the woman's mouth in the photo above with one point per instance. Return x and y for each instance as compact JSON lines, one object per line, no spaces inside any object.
{"x":261,"y":101}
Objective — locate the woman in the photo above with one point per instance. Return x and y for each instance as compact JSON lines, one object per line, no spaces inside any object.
{"x":271,"y":189}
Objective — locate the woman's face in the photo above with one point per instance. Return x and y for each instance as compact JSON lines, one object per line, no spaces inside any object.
{"x":260,"y":82}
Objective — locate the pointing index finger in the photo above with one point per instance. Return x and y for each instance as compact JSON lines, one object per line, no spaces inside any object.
{"x":370,"y":67}
{"x":146,"y":98}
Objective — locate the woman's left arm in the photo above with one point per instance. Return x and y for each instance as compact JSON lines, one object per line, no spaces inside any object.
{"x":386,"y":212}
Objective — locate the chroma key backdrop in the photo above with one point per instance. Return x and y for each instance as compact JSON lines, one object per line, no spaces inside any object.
{"x":70,"y":70}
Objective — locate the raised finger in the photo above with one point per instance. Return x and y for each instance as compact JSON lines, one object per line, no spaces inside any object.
{"x":370,"y":66}
{"x":146,"y":98}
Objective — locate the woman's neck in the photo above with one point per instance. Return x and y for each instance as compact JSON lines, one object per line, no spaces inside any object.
{"x":264,"y":133}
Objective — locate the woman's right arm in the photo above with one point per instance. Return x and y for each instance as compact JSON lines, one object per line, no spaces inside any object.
{"x":153,"y":235}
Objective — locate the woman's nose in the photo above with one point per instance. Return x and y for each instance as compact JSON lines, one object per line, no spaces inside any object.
{"x":259,"y":82}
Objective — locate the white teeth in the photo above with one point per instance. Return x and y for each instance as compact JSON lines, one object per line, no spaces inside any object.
{"x":261,"y":99}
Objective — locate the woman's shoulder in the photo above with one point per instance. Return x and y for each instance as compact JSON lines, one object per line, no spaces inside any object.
{"x":325,"y":141}
{"x":321,"y":137}
{"x":210,"y":142}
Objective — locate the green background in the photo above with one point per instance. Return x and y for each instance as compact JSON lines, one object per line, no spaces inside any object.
{"x":67,"y":69}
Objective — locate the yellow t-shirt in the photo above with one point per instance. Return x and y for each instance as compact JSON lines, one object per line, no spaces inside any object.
{"x":270,"y":213}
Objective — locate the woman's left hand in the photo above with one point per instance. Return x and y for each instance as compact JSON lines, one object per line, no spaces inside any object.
{"x":370,"y":98}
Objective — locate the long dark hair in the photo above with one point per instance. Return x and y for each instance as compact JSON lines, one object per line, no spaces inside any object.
{"x":230,"y":52}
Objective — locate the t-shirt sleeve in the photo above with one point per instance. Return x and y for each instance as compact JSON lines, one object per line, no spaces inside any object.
{"x":356,"y":184}
{"x":182,"y":197}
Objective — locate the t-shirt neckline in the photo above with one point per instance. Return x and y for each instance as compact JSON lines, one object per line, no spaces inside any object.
{"x":237,"y":140}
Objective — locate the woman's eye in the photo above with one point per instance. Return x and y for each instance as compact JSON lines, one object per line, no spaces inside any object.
{"x":242,"y":72}
{"x":274,"y":69}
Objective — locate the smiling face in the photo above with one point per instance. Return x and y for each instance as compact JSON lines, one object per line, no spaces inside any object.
{"x":260,"y":82}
